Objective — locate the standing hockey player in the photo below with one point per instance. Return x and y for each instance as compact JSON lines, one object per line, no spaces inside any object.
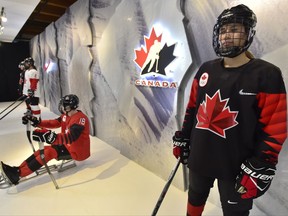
{"x":31,"y":88}
{"x":73,"y":141}
{"x":21,"y":66}
{"x":235,"y":121}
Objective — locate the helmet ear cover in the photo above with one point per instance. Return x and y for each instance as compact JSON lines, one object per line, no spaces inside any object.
{"x":238,"y":14}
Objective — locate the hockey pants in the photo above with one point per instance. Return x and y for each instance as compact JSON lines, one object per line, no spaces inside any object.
{"x":231,"y":202}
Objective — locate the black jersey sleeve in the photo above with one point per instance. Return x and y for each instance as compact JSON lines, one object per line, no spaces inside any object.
{"x":272,"y":105}
{"x":74,"y":133}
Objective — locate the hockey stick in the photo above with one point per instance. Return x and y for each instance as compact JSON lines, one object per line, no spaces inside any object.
{"x":166,"y":187}
{"x":42,"y":155}
{"x":28,"y":133}
{"x":13,"y":108}
{"x":22,"y":97}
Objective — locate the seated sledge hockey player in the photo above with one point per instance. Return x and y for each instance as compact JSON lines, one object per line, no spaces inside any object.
{"x":73,"y":141}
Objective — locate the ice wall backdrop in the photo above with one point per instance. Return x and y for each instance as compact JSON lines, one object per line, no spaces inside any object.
{"x":97,"y":50}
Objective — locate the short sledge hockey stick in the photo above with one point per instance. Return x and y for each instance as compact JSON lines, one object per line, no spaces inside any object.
{"x":42,"y":155}
{"x":166,"y":187}
{"x":28,"y":133}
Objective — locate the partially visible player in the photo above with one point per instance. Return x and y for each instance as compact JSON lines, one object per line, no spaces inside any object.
{"x":235,"y":121}
{"x":21,"y":78}
{"x":31,"y":88}
{"x":72,"y":142}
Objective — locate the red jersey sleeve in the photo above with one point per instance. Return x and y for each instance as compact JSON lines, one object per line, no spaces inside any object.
{"x":272,"y":105}
{"x":50,"y":124}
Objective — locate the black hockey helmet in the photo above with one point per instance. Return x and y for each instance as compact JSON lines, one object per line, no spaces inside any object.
{"x":238,"y":14}
{"x":68,"y":103}
{"x":29,"y":61}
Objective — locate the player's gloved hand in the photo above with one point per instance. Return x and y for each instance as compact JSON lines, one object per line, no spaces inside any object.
{"x":44,"y":135}
{"x":34,"y":120}
{"x":181,"y":147}
{"x":255,"y":178}
{"x":30,"y":93}
{"x":25,"y":120}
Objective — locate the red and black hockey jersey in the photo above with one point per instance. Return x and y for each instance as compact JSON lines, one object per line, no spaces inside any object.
{"x":234,"y":114}
{"x":74,"y":134}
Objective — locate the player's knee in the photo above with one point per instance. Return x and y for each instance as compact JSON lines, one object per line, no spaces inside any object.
{"x":50,"y":153}
{"x":196,"y":198}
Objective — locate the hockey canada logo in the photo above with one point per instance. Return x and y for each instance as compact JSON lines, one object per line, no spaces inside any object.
{"x":214,"y":115}
{"x":203,"y":79}
{"x":152,"y":59}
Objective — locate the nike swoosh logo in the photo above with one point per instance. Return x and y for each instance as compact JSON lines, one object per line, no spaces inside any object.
{"x":232,"y":203}
{"x":241,"y":92}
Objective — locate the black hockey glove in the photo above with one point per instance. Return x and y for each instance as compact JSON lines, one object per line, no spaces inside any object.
{"x":44,"y":135}
{"x":30,"y":93}
{"x":35,"y":121}
{"x":181,"y":147}
{"x":26,"y":114}
{"x":25,"y":120}
{"x":255,"y":178}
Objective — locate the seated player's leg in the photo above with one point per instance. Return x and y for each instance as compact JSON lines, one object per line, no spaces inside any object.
{"x":13,"y":174}
{"x":34,"y":162}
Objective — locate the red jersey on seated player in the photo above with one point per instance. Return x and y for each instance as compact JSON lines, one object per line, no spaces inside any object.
{"x":74,"y":129}
{"x":72,"y":142}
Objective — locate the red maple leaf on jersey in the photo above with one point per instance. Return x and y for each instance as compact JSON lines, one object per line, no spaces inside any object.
{"x":214,"y":115}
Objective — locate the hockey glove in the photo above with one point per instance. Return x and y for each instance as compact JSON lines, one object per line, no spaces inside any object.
{"x":30,"y":93}
{"x":44,"y":135}
{"x":25,"y":120}
{"x":35,"y":121}
{"x":255,"y":178}
{"x":181,"y":147}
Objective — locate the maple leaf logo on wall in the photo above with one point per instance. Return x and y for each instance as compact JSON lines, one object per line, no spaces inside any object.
{"x":214,"y":115}
{"x":154,"y":57}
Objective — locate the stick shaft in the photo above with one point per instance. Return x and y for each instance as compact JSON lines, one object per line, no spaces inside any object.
{"x":12,"y":109}
{"x":166,"y":187}
{"x":42,"y":155}
{"x":12,"y":104}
